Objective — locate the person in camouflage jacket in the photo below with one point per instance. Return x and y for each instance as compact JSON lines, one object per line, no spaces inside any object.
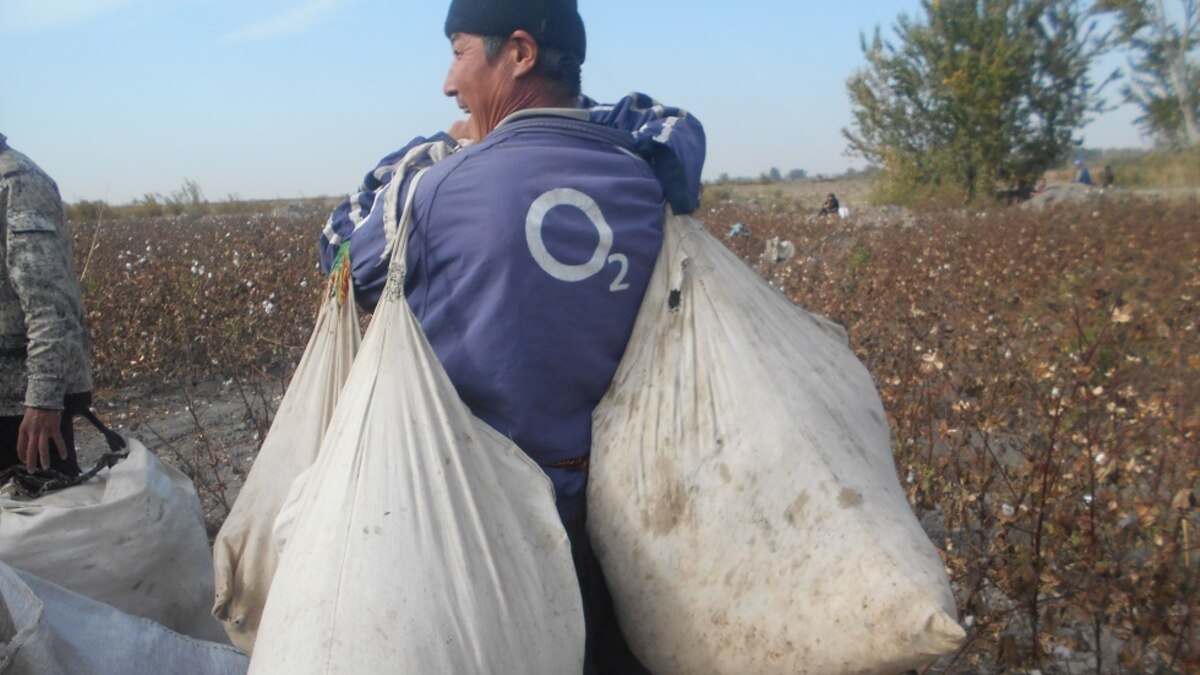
{"x":45,"y":370}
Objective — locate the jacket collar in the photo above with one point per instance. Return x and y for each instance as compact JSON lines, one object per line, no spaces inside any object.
{"x":570,"y":113}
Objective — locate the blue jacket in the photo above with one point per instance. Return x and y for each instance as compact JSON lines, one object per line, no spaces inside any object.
{"x":528,"y":257}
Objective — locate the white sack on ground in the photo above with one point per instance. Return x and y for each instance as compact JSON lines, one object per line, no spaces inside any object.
{"x":48,"y":630}
{"x":132,"y":537}
{"x":743,"y":499}
{"x":244,"y":555}
{"x":420,"y":540}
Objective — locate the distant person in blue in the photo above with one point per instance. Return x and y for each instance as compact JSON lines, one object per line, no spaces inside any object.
{"x":532,"y":246}
{"x":1084,"y":177}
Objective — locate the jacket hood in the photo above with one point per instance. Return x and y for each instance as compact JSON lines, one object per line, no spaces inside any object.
{"x":668,"y":138}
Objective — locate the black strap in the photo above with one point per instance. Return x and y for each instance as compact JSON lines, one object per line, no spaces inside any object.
{"x":81,"y":404}
{"x":116,"y":443}
{"x":39,"y":483}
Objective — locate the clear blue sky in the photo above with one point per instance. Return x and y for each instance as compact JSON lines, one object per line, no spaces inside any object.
{"x":298,"y":98}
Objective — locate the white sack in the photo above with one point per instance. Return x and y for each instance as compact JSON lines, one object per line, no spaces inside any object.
{"x":244,"y":555}
{"x":48,"y":630}
{"x":743,"y":500}
{"x":132,"y":537}
{"x":420,"y":540}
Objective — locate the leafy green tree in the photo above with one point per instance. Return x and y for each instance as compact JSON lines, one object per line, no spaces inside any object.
{"x":976,"y":95}
{"x":1164,"y":77}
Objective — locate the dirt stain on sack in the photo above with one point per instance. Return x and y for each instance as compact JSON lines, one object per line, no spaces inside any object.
{"x":662,"y":515}
{"x":849,"y":499}
{"x":796,"y":508}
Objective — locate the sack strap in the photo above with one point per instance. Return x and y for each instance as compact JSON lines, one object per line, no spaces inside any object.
{"x":433,"y":151}
{"x":116,"y":442}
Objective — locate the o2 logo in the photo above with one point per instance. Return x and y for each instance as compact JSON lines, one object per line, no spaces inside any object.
{"x":600,"y":257}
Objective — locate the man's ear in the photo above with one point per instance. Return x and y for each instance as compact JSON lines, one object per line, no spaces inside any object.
{"x":523,"y":51}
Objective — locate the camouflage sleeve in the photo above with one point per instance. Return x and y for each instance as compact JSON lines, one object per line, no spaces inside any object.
{"x":40,"y":270}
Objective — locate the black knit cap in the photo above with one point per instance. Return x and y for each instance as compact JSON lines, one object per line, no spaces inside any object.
{"x":552,"y":23}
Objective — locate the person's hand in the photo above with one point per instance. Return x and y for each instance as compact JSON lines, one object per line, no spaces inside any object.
{"x":461,"y":129}
{"x":39,"y":428}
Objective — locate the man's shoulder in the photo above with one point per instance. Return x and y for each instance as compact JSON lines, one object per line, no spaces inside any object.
{"x":16,"y":165}
{"x":539,"y":146}
{"x":31,"y":200}
{"x":535,"y":158}
{"x":11,"y":162}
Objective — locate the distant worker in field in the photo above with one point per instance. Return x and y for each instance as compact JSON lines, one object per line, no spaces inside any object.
{"x":45,"y":370}
{"x":830,"y":206}
{"x":1084,"y":177}
{"x":1109,"y":178}
{"x":531,"y":246}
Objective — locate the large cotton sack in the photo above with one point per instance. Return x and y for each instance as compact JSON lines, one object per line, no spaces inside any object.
{"x":743,"y":500}
{"x":48,"y":630}
{"x":244,"y":555}
{"x":132,"y":537}
{"x":420,"y":540}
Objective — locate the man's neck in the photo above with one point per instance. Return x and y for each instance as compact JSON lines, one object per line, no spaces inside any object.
{"x":528,"y":94}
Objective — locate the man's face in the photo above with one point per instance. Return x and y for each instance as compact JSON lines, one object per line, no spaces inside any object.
{"x":483,"y":90}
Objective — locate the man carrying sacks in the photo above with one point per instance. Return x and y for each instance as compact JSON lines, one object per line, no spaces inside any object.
{"x":532,"y":245}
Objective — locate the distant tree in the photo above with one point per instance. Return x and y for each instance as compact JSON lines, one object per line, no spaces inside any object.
{"x":977,"y":94}
{"x":188,"y":194}
{"x":723,"y":178}
{"x":797,"y":174}
{"x":775,"y":175}
{"x":189,"y":198}
{"x":150,"y":204}
{"x":86,"y":210}
{"x":1164,"y":77}
{"x":1089,"y":155}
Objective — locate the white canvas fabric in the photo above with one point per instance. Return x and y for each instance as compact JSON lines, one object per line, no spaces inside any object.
{"x":420,"y":540}
{"x":743,"y":499}
{"x":48,"y":630}
{"x":244,"y":555}
{"x":132,"y":537}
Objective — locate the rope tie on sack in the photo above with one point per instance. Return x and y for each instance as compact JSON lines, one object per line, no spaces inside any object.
{"x":37,"y":483}
{"x":33,"y":484}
